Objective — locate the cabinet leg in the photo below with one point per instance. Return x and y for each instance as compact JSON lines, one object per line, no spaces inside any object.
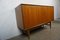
{"x":28,"y":34}
{"x":50,"y":25}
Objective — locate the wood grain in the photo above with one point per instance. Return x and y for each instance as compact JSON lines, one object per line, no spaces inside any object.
{"x":34,"y":15}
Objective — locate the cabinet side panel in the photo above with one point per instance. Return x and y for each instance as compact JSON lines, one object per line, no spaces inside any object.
{"x":19,"y":17}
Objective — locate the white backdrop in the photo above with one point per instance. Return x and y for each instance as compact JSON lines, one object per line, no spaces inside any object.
{"x":8,"y":27}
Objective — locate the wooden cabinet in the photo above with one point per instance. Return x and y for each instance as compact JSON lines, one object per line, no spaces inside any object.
{"x":30,"y":16}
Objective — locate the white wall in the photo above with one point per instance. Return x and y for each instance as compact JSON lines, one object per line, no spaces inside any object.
{"x":56,"y":12}
{"x":8,"y":27}
{"x":58,"y":8}
{"x":39,"y":2}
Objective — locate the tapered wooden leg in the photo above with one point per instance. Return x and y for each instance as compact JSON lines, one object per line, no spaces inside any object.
{"x":28,"y":34}
{"x":50,"y":25}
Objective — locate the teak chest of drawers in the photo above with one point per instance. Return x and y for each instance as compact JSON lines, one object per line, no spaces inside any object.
{"x":30,"y":16}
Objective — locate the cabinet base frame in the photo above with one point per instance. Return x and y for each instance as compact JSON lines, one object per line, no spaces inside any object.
{"x":28,"y":31}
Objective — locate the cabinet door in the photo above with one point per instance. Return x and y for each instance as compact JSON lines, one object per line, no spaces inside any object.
{"x":43,"y":15}
{"x":29,"y":16}
{"x":50,"y":13}
{"x":40,"y":15}
{"x":47,"y":14}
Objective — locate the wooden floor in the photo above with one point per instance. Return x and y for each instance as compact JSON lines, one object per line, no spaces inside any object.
{"x":43,"y":33}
